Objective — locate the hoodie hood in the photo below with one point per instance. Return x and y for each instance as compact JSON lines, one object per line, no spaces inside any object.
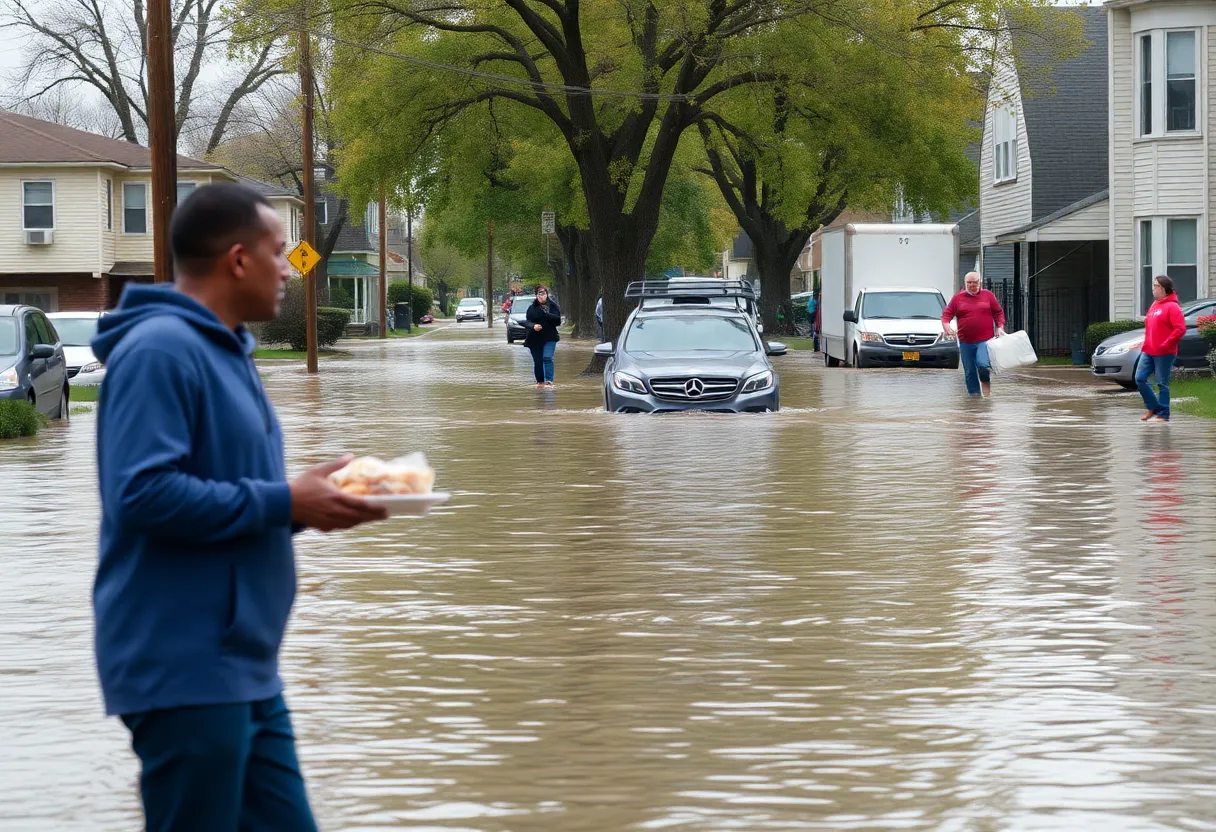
{"x":141,"y":302}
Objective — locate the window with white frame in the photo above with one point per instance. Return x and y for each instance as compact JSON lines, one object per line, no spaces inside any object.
{"x":109,"y":205}
{"x":134,"y":208}
{"x":1004,"y":143}
{"x":1169,"y":246}
{"x":321,"y":211}
{"x":184,"y":189}
{"x":37,"y":205}
{"x":1167,"y":64}
{"x":373,"y":218}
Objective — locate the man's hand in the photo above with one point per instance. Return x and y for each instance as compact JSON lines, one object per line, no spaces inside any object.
{"x":318,"y":504}
{"x":951,"y":332}
{"x":537,"y":327}
{"x":1000,"y":332}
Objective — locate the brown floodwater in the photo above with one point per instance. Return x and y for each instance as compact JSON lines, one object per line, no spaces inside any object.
{"x":886,"y":607}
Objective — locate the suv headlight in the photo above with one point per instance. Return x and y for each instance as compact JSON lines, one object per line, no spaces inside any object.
{"x":94,"y":367}
{"x":871,"y":338}
{"x":760,"y":381}
{"x":628,"y":383}
{"x":8,"y":379}
{"x":1125,"y":347}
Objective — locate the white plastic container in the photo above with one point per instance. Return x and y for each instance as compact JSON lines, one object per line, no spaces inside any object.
{"x":1008,"y":352}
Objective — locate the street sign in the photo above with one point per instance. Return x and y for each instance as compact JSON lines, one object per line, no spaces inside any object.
{"x":304,"y":257}
{"x":548,"y":222}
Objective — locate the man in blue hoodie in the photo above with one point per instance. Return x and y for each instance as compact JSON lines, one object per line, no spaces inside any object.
{"x":197,"y":575}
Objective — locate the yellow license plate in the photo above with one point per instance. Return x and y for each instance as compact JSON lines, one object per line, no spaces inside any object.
{"x":911,"y":356}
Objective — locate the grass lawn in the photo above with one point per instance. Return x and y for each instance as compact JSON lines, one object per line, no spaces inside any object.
{"x":1056,"y":361}
{"x":85,"y":394}
{"x":298,"y":355}
{"x":1202,"y":390}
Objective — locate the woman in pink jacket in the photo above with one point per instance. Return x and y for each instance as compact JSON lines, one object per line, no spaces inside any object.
{"x":1164,"y":326}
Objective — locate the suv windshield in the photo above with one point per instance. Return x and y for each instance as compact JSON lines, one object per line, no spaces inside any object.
{"x":520,"y":305}
{"x":76,"y":332}
{"x":928,"y":305}
{"x":8,"y":336}
{"x":684,"y":333}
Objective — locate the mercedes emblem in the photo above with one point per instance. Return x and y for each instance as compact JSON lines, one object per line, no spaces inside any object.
{"x":694,"y":388}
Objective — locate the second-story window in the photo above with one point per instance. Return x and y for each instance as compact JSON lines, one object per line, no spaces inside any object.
{"x":321,"y":213}
{"x":1167,"y":66}
{"x":184,"y":189}
{"x":134,"y":208}
{"x":38,"y":205}
{"x":373,"y":218}
{"x":1004,"y":144}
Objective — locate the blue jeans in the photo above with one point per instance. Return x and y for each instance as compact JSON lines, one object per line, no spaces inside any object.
{"x":220,"y":768}
{"x":1161,"y":366}
{"x":976,"y":367}
{"x":542,"y":360}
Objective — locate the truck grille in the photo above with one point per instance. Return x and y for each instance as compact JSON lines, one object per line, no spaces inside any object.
{"x":907,"y":339}
{"x":694,"y":388}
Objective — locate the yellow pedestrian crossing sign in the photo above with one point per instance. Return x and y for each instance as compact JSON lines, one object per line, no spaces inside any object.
{"x":304,"y":257}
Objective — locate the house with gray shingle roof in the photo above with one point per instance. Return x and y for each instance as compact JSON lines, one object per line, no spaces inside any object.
{"x":1044,"y":176}
{"x":75,"y":224}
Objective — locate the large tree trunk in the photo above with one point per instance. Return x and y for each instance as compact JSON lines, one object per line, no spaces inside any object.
{"x":776,"y":251}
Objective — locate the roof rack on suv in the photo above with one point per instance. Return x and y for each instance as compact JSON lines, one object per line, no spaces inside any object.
{"x":690,"y":288}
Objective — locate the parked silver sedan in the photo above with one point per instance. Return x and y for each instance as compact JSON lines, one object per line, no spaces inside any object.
{"x":1115,"y":358}
{"x":76,"y":329}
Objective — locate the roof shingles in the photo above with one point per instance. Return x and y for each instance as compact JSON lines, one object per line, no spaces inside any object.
{"x":25,"y":140}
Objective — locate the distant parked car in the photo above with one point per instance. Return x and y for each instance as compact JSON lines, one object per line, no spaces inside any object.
{"x":1115,"y":358}
{"x":32,"y":364}
{"x":471,"y":309}
{"x":76,"y":330}
{"x":517,"y":318}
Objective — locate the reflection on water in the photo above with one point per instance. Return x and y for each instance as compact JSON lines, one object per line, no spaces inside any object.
{"x":887,"y":607}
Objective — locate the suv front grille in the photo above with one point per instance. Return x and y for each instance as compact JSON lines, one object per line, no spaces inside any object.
{"x":910,"y":340}
{"x":685,"y":388}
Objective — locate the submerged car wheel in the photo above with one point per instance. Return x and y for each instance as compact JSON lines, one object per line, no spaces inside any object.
{"x":61,"y":411}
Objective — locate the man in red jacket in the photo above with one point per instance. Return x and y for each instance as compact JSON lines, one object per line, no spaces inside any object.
{"x":979,"y":314}
{"x":1164,"y":326}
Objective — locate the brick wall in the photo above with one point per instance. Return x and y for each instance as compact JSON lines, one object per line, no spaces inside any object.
{"x":75,"y":292}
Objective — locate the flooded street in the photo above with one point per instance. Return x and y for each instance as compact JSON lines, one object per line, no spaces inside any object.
{"x":886,"y":607}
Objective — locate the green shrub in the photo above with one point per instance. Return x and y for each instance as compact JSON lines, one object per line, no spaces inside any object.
{"x":340,"y":298}
{"x":1097,"y":333}
{"x":420,"y":301}
{"x":19,"y":418}
{"x":288,"y":328}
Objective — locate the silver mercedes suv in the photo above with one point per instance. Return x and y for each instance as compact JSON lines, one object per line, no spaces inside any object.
{"x":690,"y":354}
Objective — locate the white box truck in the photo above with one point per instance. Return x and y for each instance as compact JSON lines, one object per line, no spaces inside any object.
{"x":883,"y":291}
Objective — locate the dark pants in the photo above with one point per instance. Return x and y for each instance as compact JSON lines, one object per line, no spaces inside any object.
{"x":220,"y":768}
{"x":976,"y":367}
{"x":542,"y":360}
{"x":1161,"y":366}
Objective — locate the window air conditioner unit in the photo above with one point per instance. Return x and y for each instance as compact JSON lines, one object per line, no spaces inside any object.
{"x":39,"y":238}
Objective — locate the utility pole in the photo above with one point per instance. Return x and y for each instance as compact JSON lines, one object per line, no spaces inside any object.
{"x":162,"y":135}
{"x":490,"y":279}
{"x":409,"y":257}
{"x":383,"y":264}
{"x":310,"y":205}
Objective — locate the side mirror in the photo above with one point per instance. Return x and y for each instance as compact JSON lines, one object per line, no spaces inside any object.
{"x":760,"y":328}
{"x":775,"y":348}
{"x":42,"y":351}
{"x":850,"y":317}
{"x":604,"y":350}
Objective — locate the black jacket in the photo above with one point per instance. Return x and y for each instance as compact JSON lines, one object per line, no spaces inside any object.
{"x":549,"y":317}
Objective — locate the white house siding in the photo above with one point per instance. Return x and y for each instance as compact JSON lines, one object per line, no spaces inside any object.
{"x":1168,"y":177}
{"x":1122,"y":222}
{"x":1092,"y":223}
{"x":109,"y":239}
{"x":131,"y":247}
{"x":1006,"y":206}
{"x":1205,"y":277}
{"x":74,"y":248}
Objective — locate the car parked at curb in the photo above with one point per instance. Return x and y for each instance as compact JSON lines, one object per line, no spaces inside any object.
{"x":690,"y":354}
{"x":76,"y":331}
{"x":517,"y":318}
{"x":1115,"y":358}
{"x":470,"y":309}
{"x":32,"y":364}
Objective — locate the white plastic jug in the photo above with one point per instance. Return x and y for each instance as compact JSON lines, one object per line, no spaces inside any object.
{"x":1008,"y":352}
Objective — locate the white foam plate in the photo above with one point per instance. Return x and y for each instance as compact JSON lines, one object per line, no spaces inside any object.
{"x":409,"y":505}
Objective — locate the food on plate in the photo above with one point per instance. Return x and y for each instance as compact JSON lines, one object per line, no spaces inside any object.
{"x":368,"y":476}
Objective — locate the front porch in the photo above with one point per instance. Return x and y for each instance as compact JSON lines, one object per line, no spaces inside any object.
{"x":354,"y":285}
{"x":1055,"y":279}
